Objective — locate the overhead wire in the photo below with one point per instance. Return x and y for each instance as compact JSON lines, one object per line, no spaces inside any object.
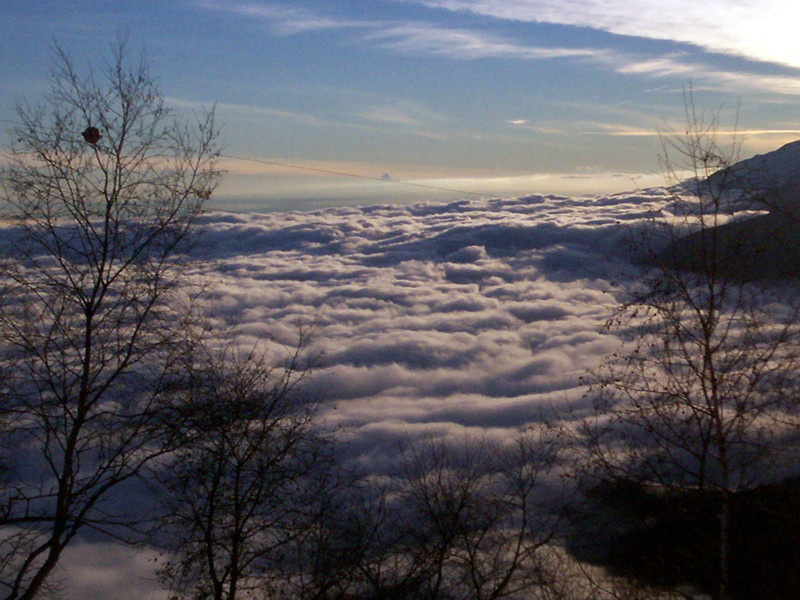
{"x":288,"y":165}
{"x":356,"y":176}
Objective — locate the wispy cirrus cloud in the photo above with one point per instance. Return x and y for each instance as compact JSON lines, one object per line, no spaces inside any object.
{"x":428,"y":39}
{"x":465,"y":44}
{"x":678,"y":66}
{"x":718,"y":26}
{"x":405,"y":37}
{"x":253,"y":112}
{"x":409,"y":116}
{"x":284,"y":20}
{"x":764,"y":30}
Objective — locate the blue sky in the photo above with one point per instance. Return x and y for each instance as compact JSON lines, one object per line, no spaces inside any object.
{"x":486,"y":95}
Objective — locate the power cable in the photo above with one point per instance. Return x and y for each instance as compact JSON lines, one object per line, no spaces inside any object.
{"x":287,"y":165}
{"x":355,"y":176}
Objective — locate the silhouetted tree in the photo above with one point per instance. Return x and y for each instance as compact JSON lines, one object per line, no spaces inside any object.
{"x":254,"y":482}
{"x":705,"y":397}
{"x":98,"y":205}
{"x":470,"y":520}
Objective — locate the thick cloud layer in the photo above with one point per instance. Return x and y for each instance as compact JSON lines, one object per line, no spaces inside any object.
{"x":473,"y":315}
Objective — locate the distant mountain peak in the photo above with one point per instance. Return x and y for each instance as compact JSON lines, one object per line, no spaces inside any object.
{"x":386,"y":177}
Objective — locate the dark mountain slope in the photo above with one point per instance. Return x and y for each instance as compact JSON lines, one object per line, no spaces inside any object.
{"x":766,"y":246}
{"x":762,"y":172}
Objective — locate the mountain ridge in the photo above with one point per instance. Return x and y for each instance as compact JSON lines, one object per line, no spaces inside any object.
{"x":766,"y":246}
{"x":762,"y":172}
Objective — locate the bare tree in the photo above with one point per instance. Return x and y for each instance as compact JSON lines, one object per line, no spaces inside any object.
{"x":251,"y":484}
{"x":325,"y":560}
{"x":705,"y":397}
{"x":470,"y":520}
{"x":98,"y":205}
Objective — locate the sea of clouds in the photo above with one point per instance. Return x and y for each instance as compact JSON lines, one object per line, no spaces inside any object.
{"x":468,"y":318}
{"x":472,"y":317}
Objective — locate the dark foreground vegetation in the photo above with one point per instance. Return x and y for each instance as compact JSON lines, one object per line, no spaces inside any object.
{"x":668,"y":539}
{"x":114,"y":383}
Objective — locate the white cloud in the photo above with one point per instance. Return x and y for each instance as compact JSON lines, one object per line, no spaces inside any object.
{"x":283,"y":20}
{"x":757,"y":29}
{"x":421,"y":307}
{"x":682,"y":68}
{"x":109,"y":570}
{"x":412,"y":37}
{"x":426,"y":39}
{"x":468,"y":317}
{"x":754,"y":30}
{"x":397,"y":112}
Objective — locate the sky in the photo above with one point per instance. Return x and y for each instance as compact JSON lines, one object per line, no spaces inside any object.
{"x":492,"y":97}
